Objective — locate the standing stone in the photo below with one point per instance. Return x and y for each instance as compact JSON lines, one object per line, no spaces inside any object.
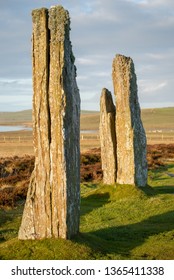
{"x":107,"y":137}
{"x":130,"y":134}
{"x":53,"y":199}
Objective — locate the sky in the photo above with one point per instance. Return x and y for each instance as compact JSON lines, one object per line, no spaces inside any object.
{"x":100,"y":29}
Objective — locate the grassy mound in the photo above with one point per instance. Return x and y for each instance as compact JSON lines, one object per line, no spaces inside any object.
{"x":117,"y":222}
{"x":15,"y":171}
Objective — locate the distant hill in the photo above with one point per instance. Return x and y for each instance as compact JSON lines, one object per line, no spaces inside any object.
{"x":157,"y":118}
{"x":153,"y":119}
{"x":15,"y":117}
{"x":25,"y":116}
{"x":84,"y":112}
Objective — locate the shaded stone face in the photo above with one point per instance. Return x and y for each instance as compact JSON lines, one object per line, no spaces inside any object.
{"x":108,"y":137}
{"x":130,"y":134}
{"x":53,"y":200}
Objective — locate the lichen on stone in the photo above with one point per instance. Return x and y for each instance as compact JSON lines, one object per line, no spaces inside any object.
{"x":59,"y":23}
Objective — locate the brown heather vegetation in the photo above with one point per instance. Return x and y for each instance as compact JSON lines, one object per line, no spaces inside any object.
{"x":159,"y":154}
{"x":15,"y":171}
{"x":15,"y":174}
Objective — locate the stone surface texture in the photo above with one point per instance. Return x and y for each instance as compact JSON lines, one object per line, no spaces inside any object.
{"x":107,"y":137}
{"x":130,"y":134}
{"x":53,"y":200}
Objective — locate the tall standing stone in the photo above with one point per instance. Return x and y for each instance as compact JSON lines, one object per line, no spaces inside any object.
{"x":53,"y":199}
{"x":130,"y":134}
{"x":108,"y":137}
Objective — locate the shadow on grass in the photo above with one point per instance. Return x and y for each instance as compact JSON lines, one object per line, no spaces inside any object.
{"x":122,"y":239}
{"x":9,"y":223}
{"x":164,"y":190}
{"x":157,"y":174}
{"x":162,"y":185}
{"x":153,"y":191}
{"x":148,"y":190}
{"x":5,"y":216}
{"x":93,"y":201}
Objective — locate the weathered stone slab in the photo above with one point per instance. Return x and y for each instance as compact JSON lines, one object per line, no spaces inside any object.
{"x":53,"y":199}
{"x":130,"y":134}
{"x":108,"y":137}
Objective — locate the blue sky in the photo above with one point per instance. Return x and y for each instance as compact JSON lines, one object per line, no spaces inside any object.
{"x":143,"y":30}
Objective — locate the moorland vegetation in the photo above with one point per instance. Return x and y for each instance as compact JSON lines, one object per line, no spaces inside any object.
{"x":117,"y":221}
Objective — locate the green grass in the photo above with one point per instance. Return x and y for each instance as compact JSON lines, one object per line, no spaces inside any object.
{"x":158,"y":118}
{"x":153,"y":119}
{"x":117,"y":222}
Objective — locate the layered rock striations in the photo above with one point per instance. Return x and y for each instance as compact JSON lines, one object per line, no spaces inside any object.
{"x":53,"y":200}
{"x":130,"y":134}
{"x":108,"y":137}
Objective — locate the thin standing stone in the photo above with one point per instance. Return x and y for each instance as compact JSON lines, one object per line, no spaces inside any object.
{"x":130,"y":134}
{"x":52,"y":207}
{"x":108,"y":137}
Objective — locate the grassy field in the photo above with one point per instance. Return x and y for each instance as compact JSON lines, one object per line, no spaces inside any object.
{"x":117,"y":222}
{"x":158,"y":119}
{"x":153,"y":119}
{"x":158,"y":123}
{"x":20,"y":117}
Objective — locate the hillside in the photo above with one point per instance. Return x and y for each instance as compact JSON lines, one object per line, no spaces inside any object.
{"x":159,"y":118}
{"x":117,"y":221}
{"x":153,"y":119}
{"x":15,"y":117}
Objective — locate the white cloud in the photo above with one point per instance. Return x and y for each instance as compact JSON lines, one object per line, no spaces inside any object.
{"x":157,"y":104}
{"x":82,"y":78}
{"x":100,"y":74}
{"x":158,"y":3}
{"x":151,"y":87}
{"x":99,"y":30}
{"x":156,"y":56}
{"x":139,"y":2}
{"x":27,"y":81}
{"x":85,"y":61}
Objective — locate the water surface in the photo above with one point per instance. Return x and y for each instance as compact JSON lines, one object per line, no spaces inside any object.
{"x":7,"y":128}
